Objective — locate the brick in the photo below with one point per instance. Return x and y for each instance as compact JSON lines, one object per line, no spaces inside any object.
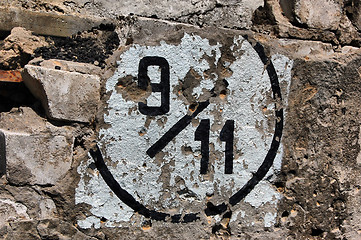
{"x":10,"y":76}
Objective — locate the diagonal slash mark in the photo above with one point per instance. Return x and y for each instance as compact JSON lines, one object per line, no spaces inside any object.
{"x":175,"y":130}
{"x":211,"y":209}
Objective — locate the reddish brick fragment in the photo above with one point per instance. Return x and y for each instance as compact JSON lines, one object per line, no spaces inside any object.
{"x":10,"y":76}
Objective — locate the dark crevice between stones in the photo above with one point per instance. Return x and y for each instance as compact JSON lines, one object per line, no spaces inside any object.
{"x":354,"y":43}
{"x":93,"y":46}
{"x":352,"y":11}
{"x":105,"y":27}
{"x":264,"y":16}
{"x":316,"y":232}
{"x":348,"y":6}
{"x":80,"y":142}
{"x":216,"y":228}
{"x":287,"y":7}
{"x":24,"y":59}
{"x":279,"y":184}
{"x":299,"y":24}
{"x":2,"y":154}
{"x":61,"y":123}
{"x":26,"y":184}
{"x":288,"y":10}
{"x":14,"y":95}
{"x":4,"y":34}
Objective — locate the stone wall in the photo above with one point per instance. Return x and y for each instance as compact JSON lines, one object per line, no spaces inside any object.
{"x":191,"y":119}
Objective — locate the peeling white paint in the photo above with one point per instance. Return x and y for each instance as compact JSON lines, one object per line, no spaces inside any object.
{"x":270,"y":219}
{"x":235,"y":215}
{"x":104,"y":203}
{"x":89,"y":222}
{"x":205,"y":85}
{"x":261,"y":194}
{"x":155,"y":183}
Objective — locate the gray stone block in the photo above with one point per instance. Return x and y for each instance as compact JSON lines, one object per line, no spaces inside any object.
{"x":36,"y":151}
{"x":65,"y":95}
{"x":322,"y":14}
{"x":46,"y":23}
{"x":11,"y":211}
{"x":70,"y":66}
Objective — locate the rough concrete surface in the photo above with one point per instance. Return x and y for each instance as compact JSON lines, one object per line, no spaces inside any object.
{"x":65,"y":95}
{"x":45,"y":23}
{"x":18,"y":47}
{"x":48,"y":163}
{"x":192,"y":119}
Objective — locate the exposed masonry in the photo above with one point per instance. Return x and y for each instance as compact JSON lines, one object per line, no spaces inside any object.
{"x":312,"y":192}
{"x":298,"y":19}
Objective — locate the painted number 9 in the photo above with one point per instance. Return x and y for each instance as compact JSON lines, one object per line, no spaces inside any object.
{"x":162,"y":87}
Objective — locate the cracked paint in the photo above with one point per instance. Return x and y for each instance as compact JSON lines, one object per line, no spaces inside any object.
{"x":171,"y":181}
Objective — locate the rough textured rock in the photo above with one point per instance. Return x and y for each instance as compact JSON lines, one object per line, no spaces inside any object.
{"x":357,"y":14}
{"x":38,"y":206}
{"x":52,"y":24}
{"x":317,"y":181}
{"x":18,"y":47}
{"x":2,"y":155}
{"x":45,"y":229}
{"x":221,"y":13}
{"x":228,"y":14}
{"x":46,"y":151}
{"x":11,"y":211}
{"x":65,"y":95}
{"x":56,"y":229}
{"x":92,"y":46}
{"x":325,"y":100}
{"x":279,"y":18}
{"x":68,"y":66}
{"x":323,"y":14}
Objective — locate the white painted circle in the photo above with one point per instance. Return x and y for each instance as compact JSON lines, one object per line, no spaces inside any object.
{"x":171,"y":181}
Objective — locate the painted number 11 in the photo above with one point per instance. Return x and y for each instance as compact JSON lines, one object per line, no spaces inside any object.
{"x":226,"y":135}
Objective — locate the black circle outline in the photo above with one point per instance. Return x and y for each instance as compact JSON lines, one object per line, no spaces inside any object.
{"x":129,"y":200}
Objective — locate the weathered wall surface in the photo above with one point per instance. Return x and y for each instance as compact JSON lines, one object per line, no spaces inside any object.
{"x":180,"y":119}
